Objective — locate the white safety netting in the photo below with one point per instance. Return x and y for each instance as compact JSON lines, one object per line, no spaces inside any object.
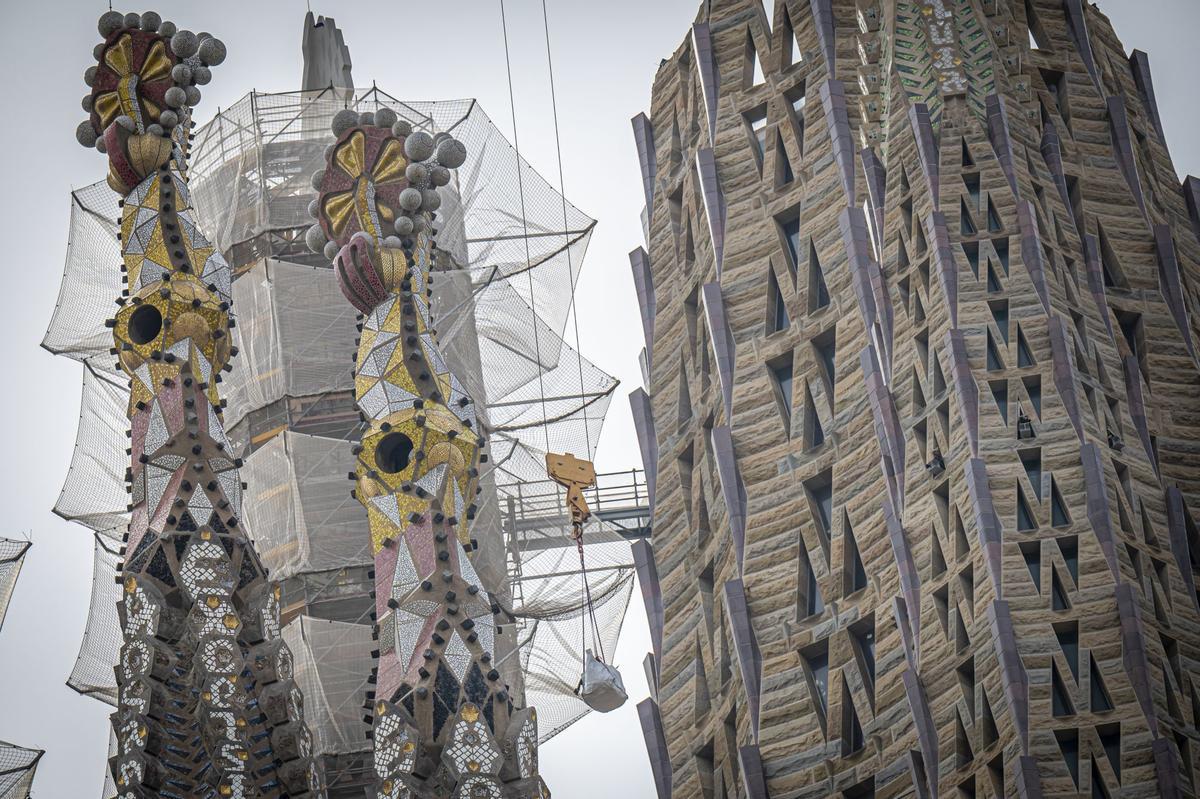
{"x":12,"y":555}
{"x":330,"y":657}
{"x":502,"y":307}
{"x":17,"y":768}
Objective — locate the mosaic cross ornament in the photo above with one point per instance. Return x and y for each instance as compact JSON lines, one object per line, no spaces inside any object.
{"x":207,"y":704}
{"x":444,"y":722}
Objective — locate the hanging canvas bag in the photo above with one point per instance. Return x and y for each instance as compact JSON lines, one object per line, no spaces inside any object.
{"x":601,"y":687}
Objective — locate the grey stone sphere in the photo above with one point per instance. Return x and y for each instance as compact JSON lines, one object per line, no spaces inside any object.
{"x":212,"y":51}
{"x":155,"y":129}
{"x":392,"y":242}
{"x":451,"y":153}
{"x":439,"y":175}
{"x":98,"y":51}
{"x":168,"y":119}
{"x":317,"y":178}
{"x":85,"y":134}
{"x":151,"y":21}
{"x":440,"y":137}
{"x":87,"y":103}
{"x":385,"y":117}
{"x":89,"y":75}
{"x":431,"y":200}
{"x":109,"y":22}
{"x":418,"y":146}
{"x":410,"y":199}
{"x":403,"y":225}
{"x":193,"y":96}
{"x":343,"y":120}
{"x":314,"y":237}
{"x":314,"y":209}
{"x":331,"y":250}
{"x":201,"y":75}
{"x":175,"y":97}
{"x":401,"y":128}
{"x":329,"y":152}
{"x":132,"y":20}
{"x":181,"y":74}
{"x":101,"y":147}
{"x":366,"y":118}
{"x":127,"y":122}
{"x":184,"y":44}
{"x":417,"y":173}
{"x":167,"y":29}
{"x":421,"y":224}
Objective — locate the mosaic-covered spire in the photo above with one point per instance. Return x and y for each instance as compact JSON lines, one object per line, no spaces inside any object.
{"x":207,"y":706}
{"x":444,"y":722}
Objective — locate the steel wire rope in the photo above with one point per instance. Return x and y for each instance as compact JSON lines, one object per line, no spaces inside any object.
{"x":573,"y":311}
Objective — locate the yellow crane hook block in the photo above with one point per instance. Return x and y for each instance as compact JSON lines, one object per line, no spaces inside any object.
{"x":573,"y":474}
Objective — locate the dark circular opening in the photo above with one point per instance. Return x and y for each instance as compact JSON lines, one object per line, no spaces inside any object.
{"x":392,"y":453}
{"x":145,"y":324}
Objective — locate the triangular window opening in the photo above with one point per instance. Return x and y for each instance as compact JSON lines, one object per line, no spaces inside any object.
{"x":1058,"y":594}
{"x":971,"y":250}
{"x":789,"y":228}
{"x":820,"y":500}
{"x":781,"y":376}
{"x":1032,"y":552}
{"x":753,"y":74}
{"x":783,"y":165}
{"x":1001,"y":248}
{"x":1100,"y":700}
{"x":1000,"y":395}
{"x":813,"y":603}
{"x":1068,"y":744}
{"x":1060,"y":702}
{"x":797,"y":98}
{"x":967,"y":160}
{"x":685,"y":397}
{"x":814,"y":434}
{"x":990,"y":733}
{"x":1068,"y":641}
{"x":1058,"y":509}
{"x":963,"y":754}
{"x":1033,"y":387}
{"x":1038,"y":40}
{"x":994,"y":361}
{"x":939,"y":559}
{"x":756,"y":128}
{"x":1110,"y":739}
{"x":818,"y":291}
{"x":964,"y":220}
{"x":1110,"y":265}
{"x":993,"y":219}
{"x":1032,"y":462}
{"x":816,"y":667}
{"x":1069,"y":547}
{"x":971,"y":181}
{"x":962,"y":548}
{"x":1000,"y":314}
{"x":1024,"y":355}
{"x":825,"y":346}
{"x":993,"y":282}
{"x":1099,"y":791}
{"x":778,"y":320}
{"x":1025,"y":518}
{"x":852,"y":733}
{"x":854,"y":576}
{"x":792,"y":54}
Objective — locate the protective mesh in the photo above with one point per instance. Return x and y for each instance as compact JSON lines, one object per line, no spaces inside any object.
{"x":502,"y":300}
{"x":12,"y":555}
{"x":93,"y":673}
{"x":17,"y":767}
{"x":333,"y":661}
{"x":299,"y":508}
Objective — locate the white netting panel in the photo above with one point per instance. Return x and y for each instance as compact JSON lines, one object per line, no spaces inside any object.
{"x":17,"y":768}
{"x":299,"y":509}
{"x":93,"y":673}
{"x":12,"y":555}
{"x":333,"y":661}
{"x":93,"y":492}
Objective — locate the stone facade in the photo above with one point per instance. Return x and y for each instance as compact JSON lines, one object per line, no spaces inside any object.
{"x":919,"y":296}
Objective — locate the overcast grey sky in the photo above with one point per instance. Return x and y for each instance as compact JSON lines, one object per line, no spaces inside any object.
{"x":606,"y":54}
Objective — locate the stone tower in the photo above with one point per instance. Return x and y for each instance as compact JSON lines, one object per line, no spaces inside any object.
{"x":919,"y":296}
